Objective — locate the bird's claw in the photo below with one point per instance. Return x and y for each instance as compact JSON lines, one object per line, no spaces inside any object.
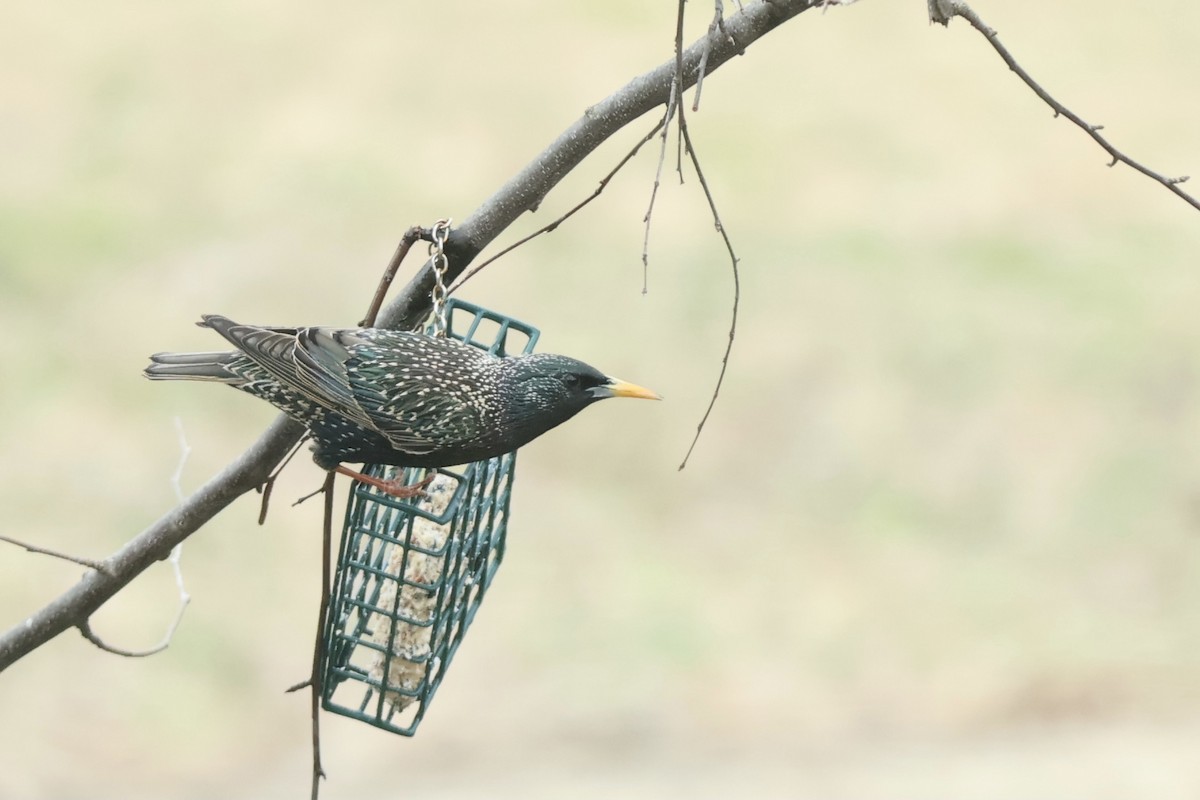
{"x":396,"y":487}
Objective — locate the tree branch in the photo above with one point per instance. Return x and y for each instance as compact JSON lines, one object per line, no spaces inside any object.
{"x":942,"y":11}
{"x":522,"y":193}
{"x":525,"y":191}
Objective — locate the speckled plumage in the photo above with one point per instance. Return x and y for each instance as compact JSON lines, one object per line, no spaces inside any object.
{"x":392,"y":397}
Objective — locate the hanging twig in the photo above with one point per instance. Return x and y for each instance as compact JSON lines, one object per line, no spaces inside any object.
{"x":176,"y":556}
{"x":85,"y":628}
{"x":313,"y":681}
{"x":685,"y":143}
{"x":737,"y":284}
{"x":319,"y":646}
{"x":942,"y":11}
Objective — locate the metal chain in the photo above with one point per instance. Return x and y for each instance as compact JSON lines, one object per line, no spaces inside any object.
{"x":437,"y":255}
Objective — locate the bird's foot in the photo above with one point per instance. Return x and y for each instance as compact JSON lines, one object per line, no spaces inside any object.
{"x":396,"y":487}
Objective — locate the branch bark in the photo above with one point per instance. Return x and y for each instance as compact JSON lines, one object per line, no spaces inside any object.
{"x":524,"y":192}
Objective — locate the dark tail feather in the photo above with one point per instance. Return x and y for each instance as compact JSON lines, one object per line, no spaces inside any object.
{"x":192,"y":367}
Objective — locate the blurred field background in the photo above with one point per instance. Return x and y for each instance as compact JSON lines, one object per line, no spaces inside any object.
{"x":939,"y":540}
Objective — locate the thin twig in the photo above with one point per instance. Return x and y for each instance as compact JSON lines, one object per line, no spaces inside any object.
{"x":679,"y":14}
{"x":737,"y":284}
{"x":185,"y":450}
{"x":717,"y":24}
{"x":665,"y":126}
{"x":99,"y":566}
{"x":268,"y":486}
{"x":549,"y":228}
{"x":318,"y":659}
{"x":943,"y":10}
{"x":410,"y":237}
{"x":720,"y":10}
{"x":309,"y":496}
{"x":176,"y":557}
{"x":85,"y":628}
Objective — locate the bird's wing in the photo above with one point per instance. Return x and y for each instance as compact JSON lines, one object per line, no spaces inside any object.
{"x":358,"y":373}
{"x":413,"y":388}
{"x":320,"y":357}
{"x":305,"y":360}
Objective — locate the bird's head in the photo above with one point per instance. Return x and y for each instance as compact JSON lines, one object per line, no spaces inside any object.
{"x":545,"y":390}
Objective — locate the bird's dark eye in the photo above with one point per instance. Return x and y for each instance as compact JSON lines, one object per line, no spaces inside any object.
{"x":572,"y":381}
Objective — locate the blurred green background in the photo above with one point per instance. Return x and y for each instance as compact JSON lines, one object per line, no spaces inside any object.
{"x":939,"y":539}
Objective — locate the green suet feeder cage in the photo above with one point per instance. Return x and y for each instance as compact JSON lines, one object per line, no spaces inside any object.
{"x":411,"y":574}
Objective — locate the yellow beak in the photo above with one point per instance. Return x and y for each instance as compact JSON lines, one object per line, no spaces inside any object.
{"x":619,"y":388}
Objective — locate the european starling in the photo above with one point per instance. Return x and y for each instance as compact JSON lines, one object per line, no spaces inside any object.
{"x":369,"y":395}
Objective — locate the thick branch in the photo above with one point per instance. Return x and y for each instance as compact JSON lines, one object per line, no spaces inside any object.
{"x":523,"y":193}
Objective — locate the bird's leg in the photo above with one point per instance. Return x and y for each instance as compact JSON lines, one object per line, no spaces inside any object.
{"x":395,"y":487}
